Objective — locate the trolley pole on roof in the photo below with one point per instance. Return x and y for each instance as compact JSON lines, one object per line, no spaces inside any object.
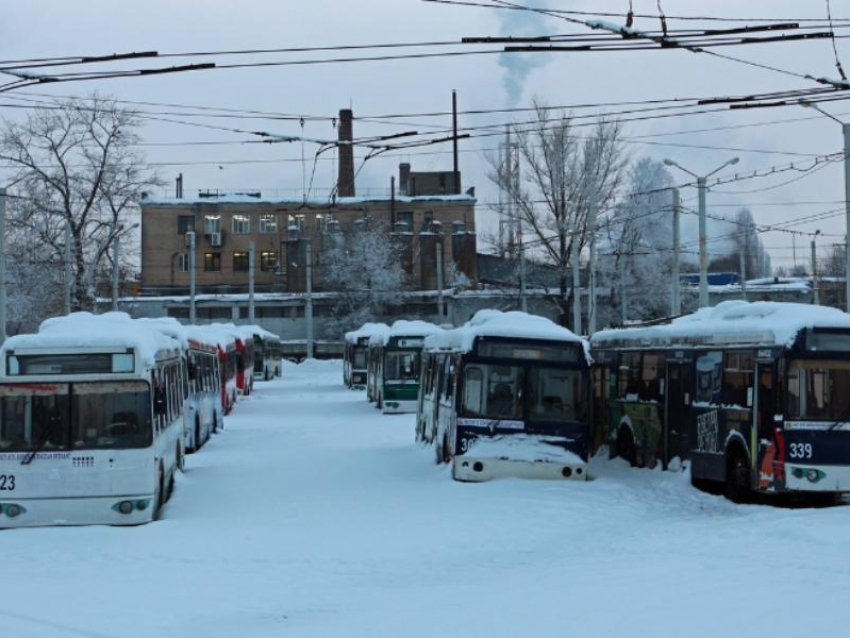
{"x":251,"y":311}
{"x":2,"y":265}
{"x":702,"y":186}
{"x":192,"y":311}
{"x":675,"y":283}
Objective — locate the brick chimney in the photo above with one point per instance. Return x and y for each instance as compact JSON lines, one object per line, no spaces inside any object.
{"x":404,"y":178}
{"x":345,"y":181}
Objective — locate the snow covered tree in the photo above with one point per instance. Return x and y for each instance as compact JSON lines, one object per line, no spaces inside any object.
{"x":366,"y":271}
{"x":76,"y":163}
{"x":562,"y":169}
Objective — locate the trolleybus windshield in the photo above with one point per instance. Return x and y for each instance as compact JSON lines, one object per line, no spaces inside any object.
{"x":402,"y":366}
{"x":89,"y":416}
{"x":819,"y":390}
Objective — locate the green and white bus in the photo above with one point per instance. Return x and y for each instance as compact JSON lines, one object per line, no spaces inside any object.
{"x":395,"y":358}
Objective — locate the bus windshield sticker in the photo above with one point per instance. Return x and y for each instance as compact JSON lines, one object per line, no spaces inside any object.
{"x":491,"y":424}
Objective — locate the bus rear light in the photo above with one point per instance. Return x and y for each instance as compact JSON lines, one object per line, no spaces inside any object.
{"x":567,"y":472}
{"x":478,"y":466}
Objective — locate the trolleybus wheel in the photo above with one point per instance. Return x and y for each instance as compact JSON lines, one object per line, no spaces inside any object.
{"x":160,"y":491}
{"x":737,"y":476}
{"x":626,"y":446}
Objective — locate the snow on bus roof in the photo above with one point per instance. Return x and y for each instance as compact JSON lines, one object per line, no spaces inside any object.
{"x":186,"y":333}
{"x":763,"y":322}
{"x":366,"y":330}
{"x":495,"y":323}
{"x":262,"y":333}
{"x":243,"y":333}
{"x":405,"y":328}
{"x":85,"y":330}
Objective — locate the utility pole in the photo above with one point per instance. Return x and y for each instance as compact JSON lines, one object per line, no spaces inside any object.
{"x":440,"y":308}
{"x":676,"y":283}
{"x":591,"y":225}
{"x":743,"y":256}
{"x":116,"y":249}
{"x":69,"y":245}
{"x":815,"y":286}
{"x":308,"y":307}
{"x":576,"y":259}
{"x":456,"y":174}
{"x":846,"y":129}
{"x":624,"y":300}
{"x":523,"y":300}
{"x":2,"y":265}
{"x":192,"y":311}
{"x":251,"y":310}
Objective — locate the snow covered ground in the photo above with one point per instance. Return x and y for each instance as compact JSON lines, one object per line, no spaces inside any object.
{"x":314,"y":515}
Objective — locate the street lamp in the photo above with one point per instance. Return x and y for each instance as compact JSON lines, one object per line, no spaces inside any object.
{"x":703,"y":254}
{"x":845,"y":127}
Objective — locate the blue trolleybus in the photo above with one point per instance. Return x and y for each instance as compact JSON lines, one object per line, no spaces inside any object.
{"x":755,"y":395}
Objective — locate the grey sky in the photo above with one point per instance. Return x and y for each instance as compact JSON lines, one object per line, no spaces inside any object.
{"x":41,"y":28}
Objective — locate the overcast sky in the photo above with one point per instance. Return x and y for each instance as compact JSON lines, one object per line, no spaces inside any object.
{"x":41,"y":28}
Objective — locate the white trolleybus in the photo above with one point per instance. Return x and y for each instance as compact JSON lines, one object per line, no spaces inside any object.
{"x":356,"y":355}
{"x":202,"y":410}
{"x":507,"y":395}
{"x":91,"y":423}
{"x":395,"y":359}
{"x":268,"y":355}
{"x":756,"y":395}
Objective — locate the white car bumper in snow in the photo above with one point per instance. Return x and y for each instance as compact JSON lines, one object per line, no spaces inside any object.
{"x":105,"y":510}
{"x":473,"y":469}
{"x":817,"y":478}
{"x":398,"y":407}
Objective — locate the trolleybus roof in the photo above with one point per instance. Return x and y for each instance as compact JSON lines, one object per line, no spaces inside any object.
{"x":761,"y":323}
{"x":405,"y":328}
{"x":366,"y":330}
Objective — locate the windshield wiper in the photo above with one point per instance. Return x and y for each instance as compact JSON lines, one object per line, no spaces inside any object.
{"x":31,"y":454}
{"x":841,"y":420}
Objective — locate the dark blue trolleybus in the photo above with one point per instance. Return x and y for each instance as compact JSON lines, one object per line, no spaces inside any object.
{"x":507,"y":394}
{"x":756,"y":395}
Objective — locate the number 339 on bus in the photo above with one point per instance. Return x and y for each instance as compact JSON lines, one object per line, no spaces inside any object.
{"x":800,"y":450}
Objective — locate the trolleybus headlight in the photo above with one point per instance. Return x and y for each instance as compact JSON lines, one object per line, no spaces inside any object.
{"x":478,"y":466}
{"x":12,"y":510}
{"x":142,"y":505}
{"x":579,"y":471}
{"x":125,"y":507}
{"x":567,"y":472}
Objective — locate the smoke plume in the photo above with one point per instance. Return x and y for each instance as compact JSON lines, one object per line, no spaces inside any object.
{"x":516,"y":67}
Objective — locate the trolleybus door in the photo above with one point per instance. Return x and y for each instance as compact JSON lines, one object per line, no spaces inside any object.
{"x":601,"y":395}
{"x":764,"y":406}
{"x":677,"y":411}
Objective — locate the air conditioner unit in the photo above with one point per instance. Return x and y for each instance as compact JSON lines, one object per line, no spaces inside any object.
{"x":215,"y":239}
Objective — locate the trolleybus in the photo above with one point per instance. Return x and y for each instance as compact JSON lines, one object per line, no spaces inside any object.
{"x":91,"y":423}
{"x":267,"y":354}
{"x":508,"y":394}
{"x":756,"y":395}
{"x":395,"y":357}
{"x":355,"y":359}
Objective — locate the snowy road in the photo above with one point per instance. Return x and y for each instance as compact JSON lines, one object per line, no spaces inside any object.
{"x":313,"y":515}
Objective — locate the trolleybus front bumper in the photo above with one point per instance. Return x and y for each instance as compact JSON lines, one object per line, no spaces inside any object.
{"x":469,"y":468}
{"x":102,"y":510}
{"x":396,"y":406}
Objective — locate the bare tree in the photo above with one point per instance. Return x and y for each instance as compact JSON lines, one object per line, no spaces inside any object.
{"x":75,"y":163}
{"x":562,"y":171}
{"x":365,"y":271}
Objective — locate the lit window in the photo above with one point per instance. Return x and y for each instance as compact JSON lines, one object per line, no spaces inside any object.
{"x":185,"y":223}
{"x":268,"y":261}
{"x":240,"y":262}
{"x":212,"y":262}
{"x":241,"y":224}
{"x":268,"y":223}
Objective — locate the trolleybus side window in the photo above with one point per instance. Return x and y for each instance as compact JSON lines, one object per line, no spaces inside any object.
{"x":33,"y":416}
{"x":473,"y":383}
{"x":738,"y":379}
{"x":629,"y":375}
{"x":819,"y":390}
{"x":709,"y":377}
{"x":650,"y":382}
{"x":501,"y":391}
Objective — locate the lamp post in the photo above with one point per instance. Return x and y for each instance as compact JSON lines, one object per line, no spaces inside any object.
{"x":703,"y":253}
{"x":845,"y":127}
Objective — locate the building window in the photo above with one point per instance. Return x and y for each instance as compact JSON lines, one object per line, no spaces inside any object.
{"x":241,"y":224}
{"x":212,"y":262}
{"x":212,"y":224}
{"x":183,"y":262}
{"x":296,"y":223}
{"x":268,"y":261}
{"x":427,"y":221}
{"x":320,"y":224}
{"x":405,"y":217}
{"x":240,"y":262}
{"x":268,"y":224}
{"x":185,"y":224}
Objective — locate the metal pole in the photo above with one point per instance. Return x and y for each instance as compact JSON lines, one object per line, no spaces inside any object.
{"x":116,"y":248}
{"x":676,"y":283}
{"x":456,"y":174}
{"x":703,"y":253}
{"x":308,"y":308}
{"x":69,"y":244}
{"x":591,"y":225}
{"x":624,"y":301}
{"x":846,"y":129}
{"x":2,"y":265}
{"x":742,"y":256}
{"x":576,"y":286}
{"x":523,"y":300}
{"x":193,"y":317}
{"x":251,"y":312}
{"x":440,"y":308}
{"x":815,"y":272}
